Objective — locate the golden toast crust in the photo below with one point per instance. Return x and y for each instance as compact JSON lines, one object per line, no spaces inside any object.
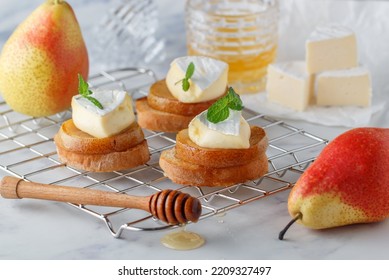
{"x":160,"y":98}
{"x":83,"y":151}
{"x":186,"y":173}
{"x":112,"y":161}
{"x":158,"y":120}
{"x":73,"y":139}
{"x":186,"y":149}
{"x":190,"y":164}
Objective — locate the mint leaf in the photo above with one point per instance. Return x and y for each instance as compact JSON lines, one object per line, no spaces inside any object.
{"x":235,"y":101}
{"x":185,"y":85}
{"x":83,"y":86}
{"x":178,"y":82}
{"x":218,"y":114}
{"x":84,"y":91}
{"x":189,"y":71}
{"x":219,"y":111}
{"x":94,"y":101}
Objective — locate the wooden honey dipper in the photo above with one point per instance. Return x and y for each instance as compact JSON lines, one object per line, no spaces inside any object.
{"x":170,"y":206}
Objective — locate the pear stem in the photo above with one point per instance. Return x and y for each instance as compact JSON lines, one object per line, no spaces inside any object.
{"x":282,"y":232}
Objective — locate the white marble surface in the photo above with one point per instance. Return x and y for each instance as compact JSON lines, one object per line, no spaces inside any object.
{"x":32,"y":229}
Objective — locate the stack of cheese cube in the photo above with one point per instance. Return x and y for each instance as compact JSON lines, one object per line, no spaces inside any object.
{"x":330,"y":75}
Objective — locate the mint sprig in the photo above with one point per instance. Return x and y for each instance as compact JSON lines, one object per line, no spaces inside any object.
{"x":84,"y":91}
{"x":189,"y":73}
{"x":219,"y":111}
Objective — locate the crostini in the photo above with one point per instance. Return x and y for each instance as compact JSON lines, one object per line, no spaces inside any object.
{"x":102,"y":135}
{"x":192,"y":84}
{"x":218,"y":149}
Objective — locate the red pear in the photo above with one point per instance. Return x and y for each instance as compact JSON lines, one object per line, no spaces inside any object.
{"x":40,"y":61}
{"x":347,"y":184}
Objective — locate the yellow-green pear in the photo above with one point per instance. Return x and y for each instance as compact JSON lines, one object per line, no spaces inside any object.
{"x":40,"y":61}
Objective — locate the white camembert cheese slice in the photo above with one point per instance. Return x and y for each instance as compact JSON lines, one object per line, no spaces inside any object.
{"x":116,"y":115}
{"x":209,"y":80}
{"x":289,"y":84}
{"x":344,"y":87}
{"x":331,"y":47}
{"x":232,"y":133}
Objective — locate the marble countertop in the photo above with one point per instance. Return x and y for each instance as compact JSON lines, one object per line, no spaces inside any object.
{"x":32,"y":229}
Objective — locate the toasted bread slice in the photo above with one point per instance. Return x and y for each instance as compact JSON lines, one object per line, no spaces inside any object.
{"x":83,"y":151}
{"x":160,"y":98}
{"x":106,"y":162}
{"x":158,"y":120}
{"x":75,"y":140}
{"x":187,"y":173}
{"x":186,"y":149}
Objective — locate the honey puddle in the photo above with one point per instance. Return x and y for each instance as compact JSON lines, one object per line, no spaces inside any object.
{"x":182,"y":240}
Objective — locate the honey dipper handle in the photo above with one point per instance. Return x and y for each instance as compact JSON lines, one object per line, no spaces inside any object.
{"x":12,"y":187}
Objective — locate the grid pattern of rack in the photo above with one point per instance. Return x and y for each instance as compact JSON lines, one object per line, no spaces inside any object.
{"x":27,"y":150}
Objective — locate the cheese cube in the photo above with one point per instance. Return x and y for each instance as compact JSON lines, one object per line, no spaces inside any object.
{"x":344,"y":87}
{"x":330,"y":48}
{"x":288,"y":84}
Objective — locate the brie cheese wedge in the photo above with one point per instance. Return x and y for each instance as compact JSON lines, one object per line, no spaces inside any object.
{"x":209,"y":80}
{"x":232,"y":133}
{"x":116,"y":115}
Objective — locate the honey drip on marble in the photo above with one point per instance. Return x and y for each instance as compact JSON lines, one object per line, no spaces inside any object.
{"x":182,"y":240}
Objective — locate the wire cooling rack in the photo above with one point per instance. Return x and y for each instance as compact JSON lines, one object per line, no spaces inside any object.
{"x":27,"y":150}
